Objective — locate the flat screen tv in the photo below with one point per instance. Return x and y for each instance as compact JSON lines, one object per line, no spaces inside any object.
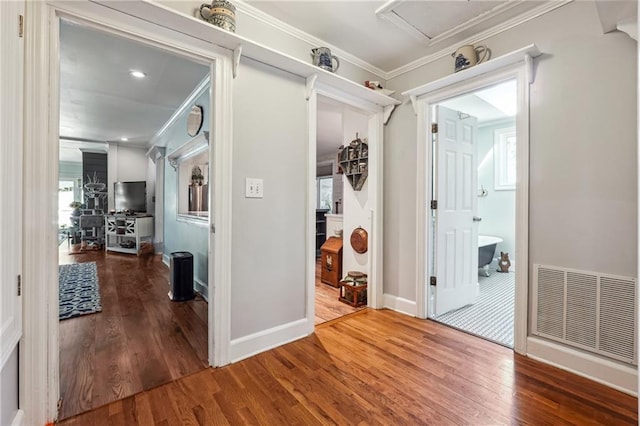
{"x":130,"y":196}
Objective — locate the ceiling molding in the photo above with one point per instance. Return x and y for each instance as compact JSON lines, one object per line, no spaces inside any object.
{"x":202,"y":87}
{"x":507,"y":25}
{"x":269,"y":20}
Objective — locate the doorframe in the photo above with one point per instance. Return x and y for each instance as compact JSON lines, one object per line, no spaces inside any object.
{"x":424,"y":241}
{"x":375,"y":184}
{"x":39,"y":347}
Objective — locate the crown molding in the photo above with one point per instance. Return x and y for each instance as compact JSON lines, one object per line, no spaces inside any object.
{"x":202,"y":87}
{"x":507,"y":25}
{"x":269,"y":20}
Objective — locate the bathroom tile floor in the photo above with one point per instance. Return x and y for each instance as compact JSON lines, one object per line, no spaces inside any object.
{"x":491,"y":317}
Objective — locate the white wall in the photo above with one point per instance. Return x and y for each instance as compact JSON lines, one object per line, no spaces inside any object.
{"x":268,"y":285}
{"x":357,"y":208}
{"x":129,"y":164}
{"x":498,"y":208}
{"x":583,"y":203}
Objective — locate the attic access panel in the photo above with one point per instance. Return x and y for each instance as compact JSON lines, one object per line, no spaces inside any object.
{"x":435,"y":18}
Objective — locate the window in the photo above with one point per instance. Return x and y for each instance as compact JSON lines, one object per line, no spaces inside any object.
{"x":325,"y":192}
{"x":65,"y":197}
{"x":504,"y":155}
{"x":191,"y":162}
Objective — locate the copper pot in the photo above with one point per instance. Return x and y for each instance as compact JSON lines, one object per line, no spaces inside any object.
{"x":359,"y":240}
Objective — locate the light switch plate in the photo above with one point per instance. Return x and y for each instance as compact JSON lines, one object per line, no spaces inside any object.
{"x":254,"y":188}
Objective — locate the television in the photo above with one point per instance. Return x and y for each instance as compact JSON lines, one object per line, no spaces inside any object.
{"x":130,"y":196}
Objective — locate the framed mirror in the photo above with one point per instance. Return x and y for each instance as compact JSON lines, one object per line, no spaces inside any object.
{"x":194,"y":121}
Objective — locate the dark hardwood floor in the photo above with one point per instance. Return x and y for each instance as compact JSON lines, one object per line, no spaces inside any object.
{"x":327,"y":305}
{"x":139,"y":341}
{"x":376,"y":367}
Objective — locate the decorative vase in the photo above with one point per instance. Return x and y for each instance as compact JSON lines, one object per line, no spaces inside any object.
{"x":220,"y":13}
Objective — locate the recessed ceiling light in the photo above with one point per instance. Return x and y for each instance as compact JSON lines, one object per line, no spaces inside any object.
{"x":124,"y":139}
{"x":137,"y":74}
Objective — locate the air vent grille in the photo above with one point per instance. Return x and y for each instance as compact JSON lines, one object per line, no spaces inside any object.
{"x":592,"y":311}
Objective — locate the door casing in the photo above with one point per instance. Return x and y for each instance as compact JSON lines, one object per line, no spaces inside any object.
{"x":424,"y":244}
{"x":39,"y":363}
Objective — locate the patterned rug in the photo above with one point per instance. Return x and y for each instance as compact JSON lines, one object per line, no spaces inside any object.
{"x":491,"y":317}
{"x":79,"y":290}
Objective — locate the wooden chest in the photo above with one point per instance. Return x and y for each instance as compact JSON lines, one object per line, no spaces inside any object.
{"x":331,"y":252}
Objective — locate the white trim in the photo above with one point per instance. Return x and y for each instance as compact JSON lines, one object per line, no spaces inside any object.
{"x":398,"y":304}
{"x":477,"y":38}
{"x":313,"y":41}
{"x":39,"y":349}
{"x":310,"y":270}
{"x":18,"y":420}
{"x":201,"y":288}
{"x":423,"y":157}
{"x":166,"y":260}
{"x":610,"y":373}
{"x":515,"y":71}
{"x":201,"y":30}
{"x":202,"y":222}
{"x":485,"y":68}
{"x":247,"y":346}
{"x":186,"y":104}
{"x":376,"y":150}
{"x":221,"y":156}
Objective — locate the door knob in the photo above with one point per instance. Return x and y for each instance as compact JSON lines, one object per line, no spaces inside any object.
{"x":477,"y":219}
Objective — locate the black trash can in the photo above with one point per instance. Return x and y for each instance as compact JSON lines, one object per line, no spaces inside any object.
{"x":181,"y":276}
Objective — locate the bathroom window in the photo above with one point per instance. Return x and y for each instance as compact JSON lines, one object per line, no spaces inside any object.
{"x":504,"y":155}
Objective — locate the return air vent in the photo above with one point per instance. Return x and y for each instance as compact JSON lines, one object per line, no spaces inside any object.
{"x":591,"y":311}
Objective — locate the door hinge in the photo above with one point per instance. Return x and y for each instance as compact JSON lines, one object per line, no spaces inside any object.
{"x":434,"y":204}
{"x":434,"y":128}
{"x":19,"y":285}
{"x":213,"y":228}
{"x":21,"y":26}
{"x":433,"y":280}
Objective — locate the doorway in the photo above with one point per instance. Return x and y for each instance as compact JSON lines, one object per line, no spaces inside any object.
{"x":517,"y":68}
{"x":117,"y":94}
{"x":474,"y":182}
{"x":337,"y":206}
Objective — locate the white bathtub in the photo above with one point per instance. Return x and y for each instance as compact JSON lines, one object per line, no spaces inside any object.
{"x":486,"y":249}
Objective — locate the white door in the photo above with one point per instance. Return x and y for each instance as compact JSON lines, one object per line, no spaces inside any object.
{"x":11,"y":84}
{"x":456,"y":229}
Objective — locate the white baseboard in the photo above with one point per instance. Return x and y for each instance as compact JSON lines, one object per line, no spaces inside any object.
{"x":166,"y":259}
{"x":247,"y":346}
{"x":398,"y":304}
{"x":610,"y":373}
{"x":201,"y":288}
{"x":18,"y":420}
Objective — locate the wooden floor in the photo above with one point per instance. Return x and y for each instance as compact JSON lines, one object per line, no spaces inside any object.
{"x":376,"y":367}
{"x":139,"y":341}
{"x":327,"y":305}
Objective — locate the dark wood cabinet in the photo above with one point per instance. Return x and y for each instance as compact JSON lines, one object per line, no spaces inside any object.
{"x":331,"y":261}
{"x":321,"y":228}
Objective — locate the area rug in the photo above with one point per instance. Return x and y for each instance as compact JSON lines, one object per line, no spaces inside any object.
{"x":79,"y":290}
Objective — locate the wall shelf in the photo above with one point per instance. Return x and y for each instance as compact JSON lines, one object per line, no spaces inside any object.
{"x":189,"y":149}
{"x":202,"y":30}
{"x":353,"y":160}
{"x":521,"y":55}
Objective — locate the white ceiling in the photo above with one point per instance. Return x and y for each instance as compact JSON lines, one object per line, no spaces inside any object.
{"x":492,"y":103}
{"x":401,"y":32}
{"x":100,"y":101}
